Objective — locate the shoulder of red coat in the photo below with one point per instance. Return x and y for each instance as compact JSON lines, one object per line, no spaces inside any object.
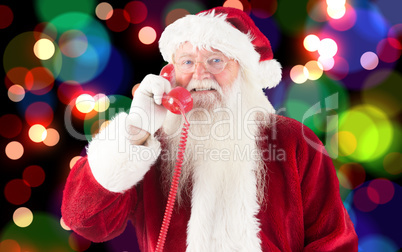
{"x":282,"y":129}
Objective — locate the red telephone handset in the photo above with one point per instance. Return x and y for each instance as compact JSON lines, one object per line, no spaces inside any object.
{"x":178,"y":101}
{"x":177,"y":98}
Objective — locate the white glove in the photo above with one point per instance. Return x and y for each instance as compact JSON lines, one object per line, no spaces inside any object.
{"x":146,"y":111}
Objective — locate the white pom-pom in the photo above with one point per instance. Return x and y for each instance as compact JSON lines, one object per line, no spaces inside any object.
{"x":270,"y":73}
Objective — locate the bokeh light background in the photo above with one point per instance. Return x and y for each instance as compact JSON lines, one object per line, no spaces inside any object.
{"x":69,"y":66}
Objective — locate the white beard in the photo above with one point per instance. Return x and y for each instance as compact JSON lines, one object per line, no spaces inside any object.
{"x":217,"y":125}
{"x":221,"y":163}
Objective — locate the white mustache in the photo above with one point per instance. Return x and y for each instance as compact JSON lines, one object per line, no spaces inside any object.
{"x":204,"y":85}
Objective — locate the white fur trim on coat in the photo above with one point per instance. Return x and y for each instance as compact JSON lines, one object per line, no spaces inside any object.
{"x":212,"y":31}
{"x":115,"y":163}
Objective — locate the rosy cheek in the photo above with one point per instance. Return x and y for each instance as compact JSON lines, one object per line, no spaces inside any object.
{"x":229,"y":75}
{"x":224,"y":79}
{"x":183,"y":79}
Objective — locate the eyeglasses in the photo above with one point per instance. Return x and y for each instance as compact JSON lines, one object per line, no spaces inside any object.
{"x":213,"y":64}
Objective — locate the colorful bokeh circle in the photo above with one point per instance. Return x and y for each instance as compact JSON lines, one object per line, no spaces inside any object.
{"x":17,"y":191}
{"x":372,"y":130}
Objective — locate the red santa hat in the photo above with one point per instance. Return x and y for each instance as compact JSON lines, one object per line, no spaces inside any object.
{"x":230,"y":31}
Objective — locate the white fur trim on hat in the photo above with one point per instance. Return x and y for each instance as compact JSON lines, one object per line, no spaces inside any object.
{"x":209,"y":30}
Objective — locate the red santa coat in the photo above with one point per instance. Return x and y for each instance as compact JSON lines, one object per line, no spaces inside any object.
{"x":302,"y":209}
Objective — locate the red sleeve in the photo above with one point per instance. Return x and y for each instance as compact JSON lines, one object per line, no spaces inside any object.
{"x":326,"y":222}
{"x":92,"y":211}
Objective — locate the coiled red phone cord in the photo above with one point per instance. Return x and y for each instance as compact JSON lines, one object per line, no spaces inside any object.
{"x":175,"y":184}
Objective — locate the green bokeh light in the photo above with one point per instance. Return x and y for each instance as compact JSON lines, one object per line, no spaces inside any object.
{"x":20,"y":53}
{"x":44,"y":234}
{"x":90,"y":62}
{"x":385,"y":92}
{"x":296,"y":108}
{"x":193,"y":7}
{"x":291,"y":15}
{"x":314,"y":103}
{"x":372,"y":130}
{"x":376,"y":167}
{"x":49,"y":9}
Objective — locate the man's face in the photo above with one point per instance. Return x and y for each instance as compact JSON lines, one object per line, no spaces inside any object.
{"x":200,"y":58}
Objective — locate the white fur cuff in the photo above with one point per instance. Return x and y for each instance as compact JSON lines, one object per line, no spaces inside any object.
{"x":115,"y":163}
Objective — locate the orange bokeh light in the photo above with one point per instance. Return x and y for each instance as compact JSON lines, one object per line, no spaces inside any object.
{"x":147,"y":35}
{"x":74,"y":160}
{"x":313,"y":70}
{"x":39,"y":80}
{"x":52,"y":137}
{"x":16,"y":93}
{"x":14,"y":150}
{"x":104,"y":11}
{"x":297,"y":74}
{"x":16,"y":75}
{"x":311,"y":43}
{"x":37,"y":133}
{"x":9,"y":246}
{"x":175,"y":14}
{"x":85,"y":103}
{"x":234,"y":4}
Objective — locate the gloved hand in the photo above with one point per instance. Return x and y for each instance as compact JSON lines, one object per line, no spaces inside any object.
{"x":146,"y":111}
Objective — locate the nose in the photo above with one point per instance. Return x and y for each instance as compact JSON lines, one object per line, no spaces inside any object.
{"x":200,"y":72}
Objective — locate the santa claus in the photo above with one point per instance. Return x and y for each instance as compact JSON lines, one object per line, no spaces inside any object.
{"x":251,"y":180}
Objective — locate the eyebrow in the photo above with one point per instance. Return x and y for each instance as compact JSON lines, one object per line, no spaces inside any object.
{"x":185,"y":55}
{"x":192,"y":54}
